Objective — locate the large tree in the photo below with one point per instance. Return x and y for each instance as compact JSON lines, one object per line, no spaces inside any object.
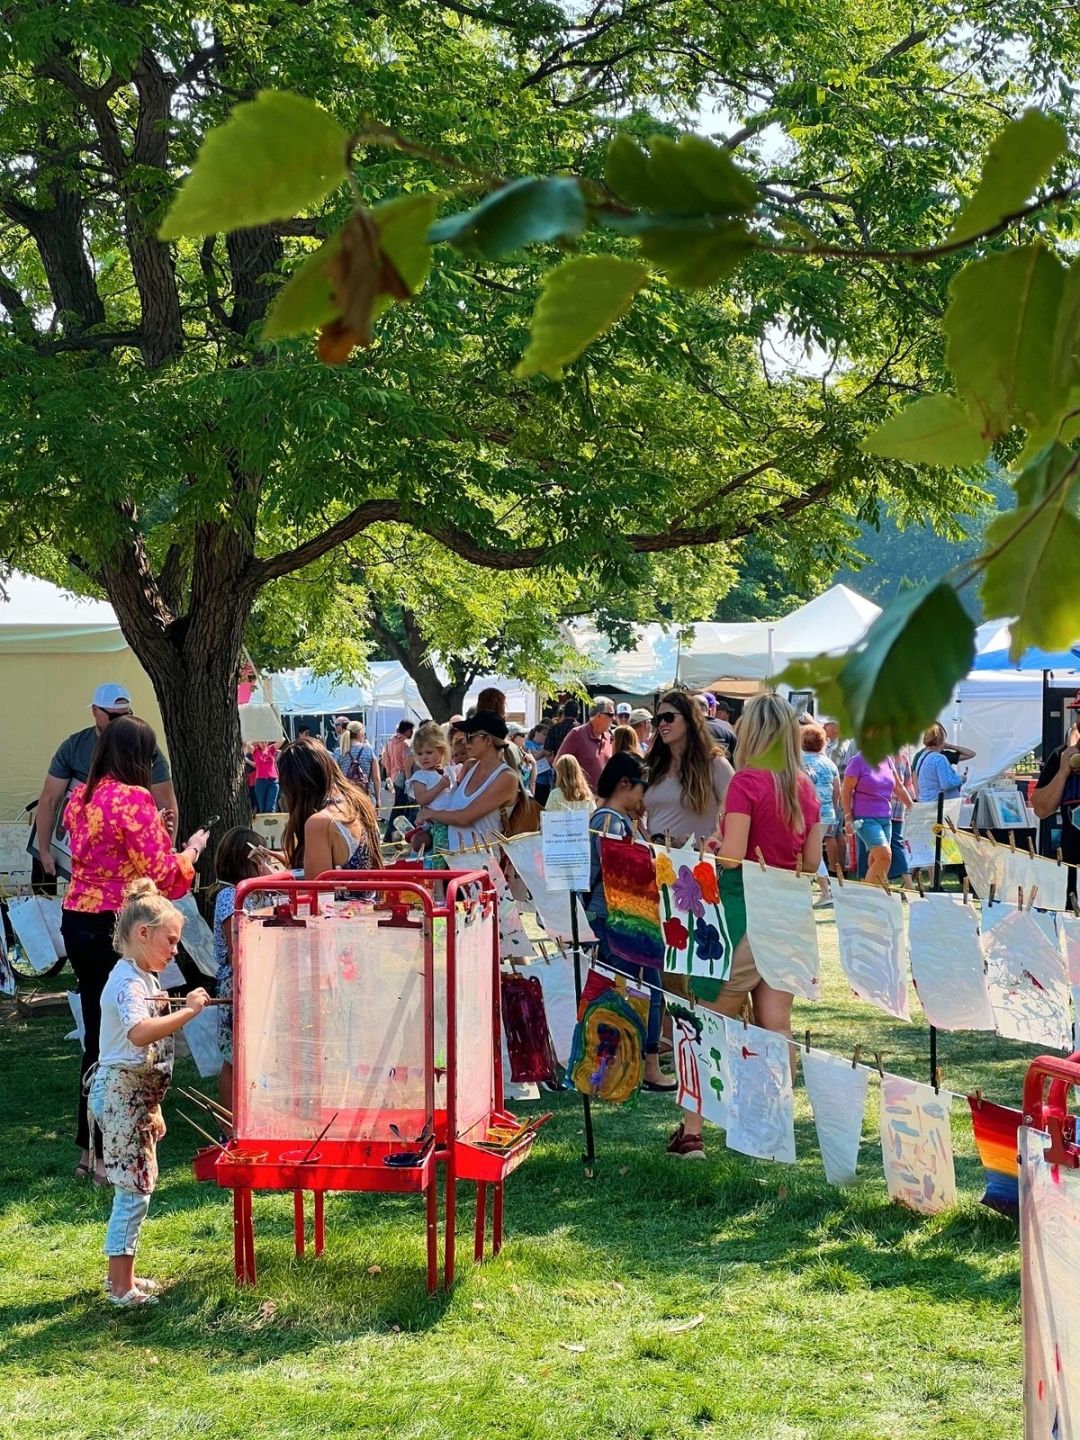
{"x":149,"y":445}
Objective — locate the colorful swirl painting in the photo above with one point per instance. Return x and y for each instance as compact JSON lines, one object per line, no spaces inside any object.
{"x":607,"y":1057}
{"x":633,"y":902}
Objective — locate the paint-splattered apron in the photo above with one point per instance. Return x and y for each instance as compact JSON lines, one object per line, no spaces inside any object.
{"x":125,"y":1105}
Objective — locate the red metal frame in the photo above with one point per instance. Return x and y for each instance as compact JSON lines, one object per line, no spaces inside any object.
{"x":248,"y":1165}
{"x":1048,"y":1108}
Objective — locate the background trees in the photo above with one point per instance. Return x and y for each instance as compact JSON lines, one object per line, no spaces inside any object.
{"x":149,"y":446}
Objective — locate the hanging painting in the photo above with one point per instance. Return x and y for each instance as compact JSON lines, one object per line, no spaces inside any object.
{"x":1027,"y":872}
{"x":870,"y":930}
{"x":701,"y":1062}
{"x":1049,"y":1290}
{"x":837,"y":1092}
{"x":607,"y":1057}
{"x":1070,"y":934}
{"x":984,"y":862}
{"x":781,"y":929}
{"x":633,"y":902}
{"x":1028,"y":981}
{"x":947,"y":963}
{"x":514,"y":944}
{"x":528,"y":1040}
{"x":525,"y":853}
{"x":920,"y":837}
{"x":995,"y":1128}
{"x":760,"y":1104}
{"x":916,"y":1145}
{"x":696,"y":939}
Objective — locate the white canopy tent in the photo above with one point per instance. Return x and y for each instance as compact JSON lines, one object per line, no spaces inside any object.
{"x":998,"y":714}
{"x":651,"y":665}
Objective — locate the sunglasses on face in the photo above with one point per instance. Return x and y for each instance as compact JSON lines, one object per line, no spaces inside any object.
{"x":668,"y":717}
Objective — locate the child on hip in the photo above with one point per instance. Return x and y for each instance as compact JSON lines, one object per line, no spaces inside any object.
{"x":433,"y":779}
{"x":133,"y":1074}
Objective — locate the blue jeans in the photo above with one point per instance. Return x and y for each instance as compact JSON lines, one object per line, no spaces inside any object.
{"x":634,"y":972}
{"x":266,"y":793}
{"x":129,"y":1209}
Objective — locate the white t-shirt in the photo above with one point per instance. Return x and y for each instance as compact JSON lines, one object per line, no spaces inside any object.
{"x":428,"y":778}
{"x":126,"y":999}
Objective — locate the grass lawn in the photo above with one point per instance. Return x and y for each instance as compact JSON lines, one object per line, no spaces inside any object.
{"x":827,"y":1312}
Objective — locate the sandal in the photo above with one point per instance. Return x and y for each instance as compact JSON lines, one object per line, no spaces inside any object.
{"x":134,"y":1296}
{"x":148,"y":1287}
{"x":654,"y":1087}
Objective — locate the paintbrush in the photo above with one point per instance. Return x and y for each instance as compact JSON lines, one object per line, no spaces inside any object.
{"x":216,"y":1143}
{"x":216,"y":1112}
{"x":178,"y":1001}
{"x":209,"y":1099}
{"x":320,"y":1136}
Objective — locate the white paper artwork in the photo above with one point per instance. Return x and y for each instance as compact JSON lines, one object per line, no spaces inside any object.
{"x":556,"y":978}
{"x":196,"y":937}
{"x":1028,"y":981}
{"x":760,"y":1104}
{"x":984,"y":861}
{"x":1070,"y":934}
{"x":28,"y":916}
{"x":1027,"y":872}
{"x":1048,"y":921}
{"x":919,"y":834}
{"x":870,"y":930}
{"x":514,"y":944}
{"x":1049,"y":1287}
{"x":916,"y":1145}
{"x":781,"y":929}
{"x":947,"y":963}
{"x":837,"y":1091}
{"x":701,"y":1062}
{"x":525,"y":853}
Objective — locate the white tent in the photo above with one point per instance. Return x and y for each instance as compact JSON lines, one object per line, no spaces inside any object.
{"x":650,"y":665}
{"x":998,"y":714}
{"x":301,"y":692}
{"x":831,"y":623}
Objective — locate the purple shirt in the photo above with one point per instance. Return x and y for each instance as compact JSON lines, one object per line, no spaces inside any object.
{"x":874,"y":787}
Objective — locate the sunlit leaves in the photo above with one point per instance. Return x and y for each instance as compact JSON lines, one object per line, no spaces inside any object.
{"x":1032,"y":565}
{"x":901,"y":675}
{"x":688,"y":176}
{"x":1000,"y":325}
{"x":581,"y":299}
{"x":525,"y":212}
{"x":936,"y":430}
{"x":1017,"y":161}
{"x":306,"y":301}
{"x":696,"y":253}
{"x":275,"y":155}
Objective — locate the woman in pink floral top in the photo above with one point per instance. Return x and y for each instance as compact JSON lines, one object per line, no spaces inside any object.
{"x":116,"y":836}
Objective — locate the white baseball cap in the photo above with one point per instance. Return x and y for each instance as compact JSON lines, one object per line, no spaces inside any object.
{"x":623,"y":709}
{"x":111,"y":697}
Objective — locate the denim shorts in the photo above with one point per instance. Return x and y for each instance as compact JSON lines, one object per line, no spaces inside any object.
{"x":874,"y":832}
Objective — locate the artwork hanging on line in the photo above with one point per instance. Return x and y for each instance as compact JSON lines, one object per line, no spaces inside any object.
{"x":916,"y":1145}
{"x":633,"y":902}
{"x":781,"y":929}
{"x":556,"y":976}
{"x":995,"y":1128}
{"x":1049,"y":1289}
{"x":1070,"y":934}
{"x":696,"y":938}
{"x":947,"y":963}
{"x":514,"y":944}
{"x":837,"y":1092}
{"x":529,"y":1045}
{"x":1028,"y":981}
{"x":760,"y":1103}
{"x":870,"y":930}
{"x":920,"y":837}
{"x":607,"y":1057}
{"x":701,"y":1062}
{"x":525,"y":853}
{"x":984,"y":863}
{"x":1027,"y":872}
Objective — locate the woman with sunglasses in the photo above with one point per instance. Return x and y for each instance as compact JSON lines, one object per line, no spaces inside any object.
{"x":489,"y":786}
{"x":688,"y":773}
{"x":774,"y":815}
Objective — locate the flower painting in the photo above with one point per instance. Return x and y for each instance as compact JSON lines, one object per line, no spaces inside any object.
{"x":696,"y":937}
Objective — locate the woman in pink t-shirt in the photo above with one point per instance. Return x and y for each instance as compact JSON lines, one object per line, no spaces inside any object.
{"x":769,"y":814}
{"x":265,"y":755}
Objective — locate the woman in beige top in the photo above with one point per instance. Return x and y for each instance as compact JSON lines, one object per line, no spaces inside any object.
{"x":688,"y":773}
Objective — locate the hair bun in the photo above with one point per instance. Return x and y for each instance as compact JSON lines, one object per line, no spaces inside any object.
{"x":138,"y":888}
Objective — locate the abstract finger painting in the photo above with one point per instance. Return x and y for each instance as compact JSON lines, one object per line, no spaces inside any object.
{"x":633,"y":902}
{"x":837,"y":1091}
{"x":696,"y":939}
{"x":1028,"y":872}
{"x":760,"y":1104}
{"x":514,"y":944}
{"x":870,"y":929}
{"x":1028,"y":981}
{"x":947,"y":963}
{"x":781,"y":930}
{"x":984,"y":862}
{"x":607,"y":1058}
{"x":916,"y":1145}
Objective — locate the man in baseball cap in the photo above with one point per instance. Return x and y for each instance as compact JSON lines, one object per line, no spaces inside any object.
{"x":72,"y":762}
{"x":622,"y":713}
{"x":718,"y":727}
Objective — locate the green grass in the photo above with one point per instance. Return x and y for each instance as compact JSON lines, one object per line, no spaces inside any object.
{"x":827,"y":1312}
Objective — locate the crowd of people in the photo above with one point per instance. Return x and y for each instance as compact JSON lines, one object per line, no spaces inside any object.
{"x":681,"y":773}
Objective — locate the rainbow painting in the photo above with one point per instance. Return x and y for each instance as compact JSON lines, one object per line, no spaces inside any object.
{"x":633,"y":902}
{"x":995,"y":1136}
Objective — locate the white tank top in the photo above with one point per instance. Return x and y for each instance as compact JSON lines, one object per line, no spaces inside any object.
{"x":478,"y":832}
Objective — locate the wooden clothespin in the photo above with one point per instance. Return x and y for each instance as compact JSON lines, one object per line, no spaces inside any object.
{"x":1012,"y":841}
{"x":808,"y":1041}
{"x":992,"y":896}
{"x":1031,"y":897}
{"x":886,"y":887}
{"x":919,"y":884}
{"x":880,"y":1065}
{"x":839,"y":875}
{"x":1031,"y":847}
{"x":667,"y":840}
{"x":967,"y":891}
{"x":1020,"y":897}
{"x":937,"y":1080}
{"x":798,"y":866}
{"x":760,"y":858}
{"x":978,"y":1098}
{"x":1060,"y":857}
{"x":949,"y":823}
{"x":975,"y":832}
{"x":855,"y":1057}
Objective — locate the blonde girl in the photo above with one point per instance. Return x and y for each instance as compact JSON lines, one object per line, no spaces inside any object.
{"x":571,"y":790}
{"x":624,"y":740}
{"x":774,"y":814}
{"x":434,"y":777}
{"x":133,"y":1073}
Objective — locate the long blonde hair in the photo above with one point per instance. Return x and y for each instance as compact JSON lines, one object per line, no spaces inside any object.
{"x":143,"y":904}
{"x":570,"y":779}
{"x":768,"y":721}
{"x":624,"y":738}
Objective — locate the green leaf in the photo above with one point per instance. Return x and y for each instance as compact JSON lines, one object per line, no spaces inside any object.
{"x":1001,"y":326}
{"x":525,"y":212}
{"x":275,"y":155}
{"x":1017,"y":161}
{"x":403,"y":237}
{"x":305,"y":303}
{"x":936,"y":430}
{"x":1033,"y":576}
{"x":902,"y":675}
{"x":822,"y":675}
{"x":696,"y":253}
{"x":688,"y":176}
{"x":581,"y":299}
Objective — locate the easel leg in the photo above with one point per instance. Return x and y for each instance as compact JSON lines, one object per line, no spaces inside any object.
{"x":243,"y":1238}
{"x":451,"y":1228}
{"x":481,"y":1220}
{"x":432,"y":1236}
{"x":497,"y":1220}
{"x":320,"y":1222}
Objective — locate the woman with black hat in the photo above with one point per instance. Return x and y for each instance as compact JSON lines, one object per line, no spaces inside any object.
{"x":486,"y":789}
